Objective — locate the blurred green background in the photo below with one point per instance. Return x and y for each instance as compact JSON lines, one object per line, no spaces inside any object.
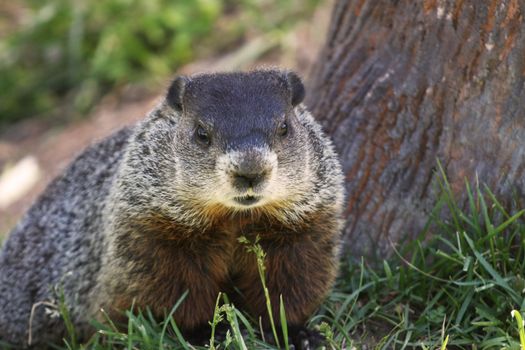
{"x":58,"y":57}
{"x":74,"y":71}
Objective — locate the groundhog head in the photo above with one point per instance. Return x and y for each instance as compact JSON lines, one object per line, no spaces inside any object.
{"x":240,"y":142}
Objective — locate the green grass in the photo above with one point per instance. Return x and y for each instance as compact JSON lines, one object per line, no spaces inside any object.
{"x":458,"y":288}
{"x":461,"y":289}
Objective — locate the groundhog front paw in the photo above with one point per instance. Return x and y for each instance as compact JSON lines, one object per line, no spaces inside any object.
{"x":199,"y":336}
{"x":299,"y":338}
{"x":303,"y":338}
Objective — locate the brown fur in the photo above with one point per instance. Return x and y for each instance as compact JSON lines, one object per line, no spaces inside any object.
{"x":206,"y":263}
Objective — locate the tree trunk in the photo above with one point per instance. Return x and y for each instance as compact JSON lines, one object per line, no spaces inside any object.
{"x":402,"y":84}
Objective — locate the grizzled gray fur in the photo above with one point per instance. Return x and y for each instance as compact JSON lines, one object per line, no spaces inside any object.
{"x":157,"y":209}
{"x":59,"y":242}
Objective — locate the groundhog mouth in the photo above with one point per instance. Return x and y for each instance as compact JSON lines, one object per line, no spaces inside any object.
{"x":247,"y":200}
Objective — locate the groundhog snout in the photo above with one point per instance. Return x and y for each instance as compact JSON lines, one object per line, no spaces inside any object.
{"x":249,"y":170}
{"x":244,"y":180}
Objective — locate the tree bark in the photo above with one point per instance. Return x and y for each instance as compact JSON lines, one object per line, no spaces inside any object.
{"x":402,"y":84}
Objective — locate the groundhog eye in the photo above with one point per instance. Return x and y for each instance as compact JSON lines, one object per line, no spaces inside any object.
{"x":283,"y":129}
{"x":202,"y":136}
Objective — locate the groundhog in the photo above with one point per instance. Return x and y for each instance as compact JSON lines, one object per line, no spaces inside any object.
{"x":157,"y":209}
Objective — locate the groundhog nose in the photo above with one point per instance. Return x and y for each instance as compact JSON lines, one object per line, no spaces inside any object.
{"x":246,"y":180}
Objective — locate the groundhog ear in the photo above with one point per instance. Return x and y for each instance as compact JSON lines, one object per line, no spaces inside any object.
{"x":296,"y":88}
{"x":176,"y":92}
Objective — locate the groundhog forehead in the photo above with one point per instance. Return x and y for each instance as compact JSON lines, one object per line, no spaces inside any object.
{"x":257,"y":96}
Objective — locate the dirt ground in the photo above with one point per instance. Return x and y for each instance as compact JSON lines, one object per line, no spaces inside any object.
{"x":54,"y":147}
